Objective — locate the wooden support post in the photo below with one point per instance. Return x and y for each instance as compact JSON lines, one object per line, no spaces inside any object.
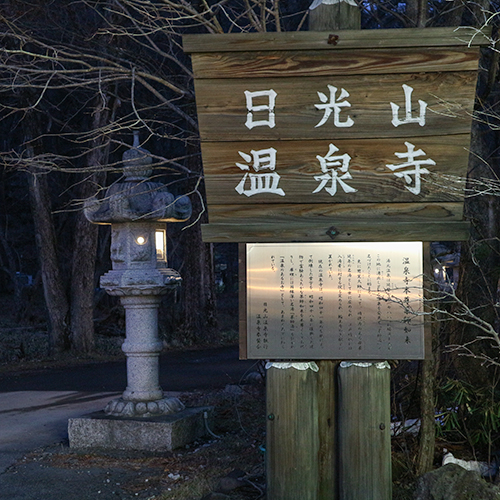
{"x":301,"y":433}
{"x":364,"y":431}
{"x":326,"y":16}
{"x":364,"y":448}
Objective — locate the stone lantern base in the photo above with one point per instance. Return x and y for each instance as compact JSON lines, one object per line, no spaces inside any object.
{"x":122,"y":408}
{"x":161,"y":433}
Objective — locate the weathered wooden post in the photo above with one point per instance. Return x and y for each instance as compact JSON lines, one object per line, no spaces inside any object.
{"x":295,"y":472}
{"x":301,"y":431}
{"x":292,"y":471}
{"x":326,"y":15}
{"x":364,"y":431}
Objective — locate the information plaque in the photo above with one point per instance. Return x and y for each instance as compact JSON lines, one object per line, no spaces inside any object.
{"x":335,"y":301}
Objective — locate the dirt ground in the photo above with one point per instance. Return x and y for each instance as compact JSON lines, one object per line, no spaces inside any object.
{"x":229,"y":464}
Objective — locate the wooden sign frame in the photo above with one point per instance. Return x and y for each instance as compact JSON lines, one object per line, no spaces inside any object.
{"x":304,"y":135}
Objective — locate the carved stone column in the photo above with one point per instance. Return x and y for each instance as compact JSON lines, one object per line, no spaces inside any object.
{"x":143,"y":395}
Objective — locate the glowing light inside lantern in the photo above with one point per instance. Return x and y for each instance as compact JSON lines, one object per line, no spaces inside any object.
{"x":160,"y":238}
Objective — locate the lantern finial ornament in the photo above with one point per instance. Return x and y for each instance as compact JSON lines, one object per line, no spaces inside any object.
{"x":137,"y":161}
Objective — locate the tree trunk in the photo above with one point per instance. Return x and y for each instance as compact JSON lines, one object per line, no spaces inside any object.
{"x":480,"y":256}
{"x":428,"y":374}
{"x":481,"y":11}
{"x":85,"y":241}
{"x":453,"y":17}
{"x":9,"y":266}
{"x":83,"y":279}
{"x":53,"y":288}
{"x":199,"y":311}
{"x":427,"y":442}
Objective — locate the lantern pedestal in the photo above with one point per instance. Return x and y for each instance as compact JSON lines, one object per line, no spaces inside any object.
{"x":163,"y":433}
{"x":140,"y":280}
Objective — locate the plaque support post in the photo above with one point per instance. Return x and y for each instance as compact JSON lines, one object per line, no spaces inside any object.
{"x":301,"y":407}
{"x":301,"y":433}
{"x":363,"y":391}
{"x":364,"y":431}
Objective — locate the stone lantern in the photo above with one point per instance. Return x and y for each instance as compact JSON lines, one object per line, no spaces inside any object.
{"x":136,"y":207}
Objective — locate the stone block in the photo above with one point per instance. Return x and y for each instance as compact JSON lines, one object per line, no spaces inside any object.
{"x":162,"y":433}
{"x":452,"y":482}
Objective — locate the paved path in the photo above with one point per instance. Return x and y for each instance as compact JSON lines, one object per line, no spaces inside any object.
{"x":179,"y":371}
{"x":34,"y":419}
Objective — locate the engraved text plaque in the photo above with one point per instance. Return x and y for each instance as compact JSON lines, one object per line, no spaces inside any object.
{"x":335,"y":301}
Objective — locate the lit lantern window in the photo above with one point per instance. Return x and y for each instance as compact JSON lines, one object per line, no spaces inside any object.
{"x":160,"y":239}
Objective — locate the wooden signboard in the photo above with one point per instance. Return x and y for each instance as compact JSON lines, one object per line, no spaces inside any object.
{"x":352,"y":136}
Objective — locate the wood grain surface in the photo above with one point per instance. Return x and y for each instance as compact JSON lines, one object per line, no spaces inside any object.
{"x":252,"y":65}
{"x":256,"y":231}
{"x":343,"y":39}
{"x":297,"y":166}
{"x":306,"y":70}
{"x":222,"y":111}
{"x":320,"y":212}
